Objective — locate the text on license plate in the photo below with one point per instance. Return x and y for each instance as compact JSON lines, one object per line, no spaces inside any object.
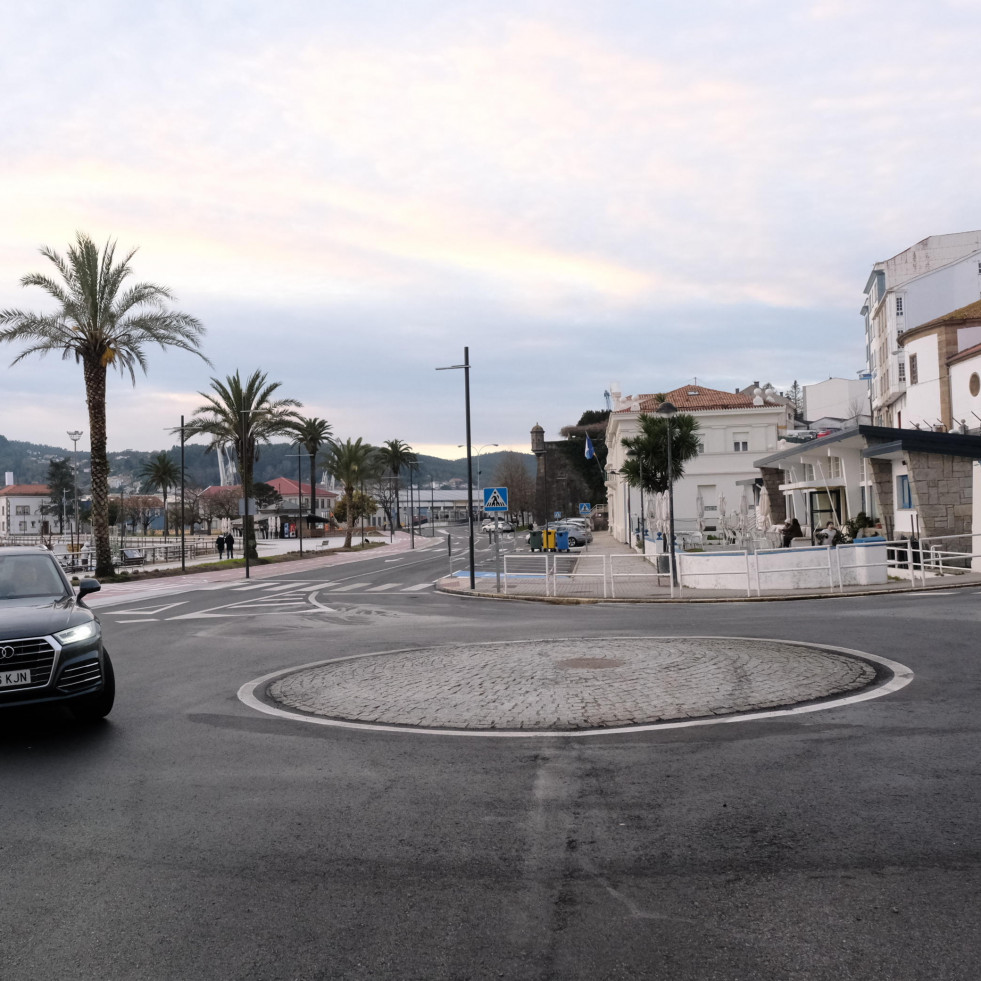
{"x":20,"y":677}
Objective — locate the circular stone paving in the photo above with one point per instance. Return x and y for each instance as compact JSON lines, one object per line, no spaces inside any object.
{"x":562,"y":685}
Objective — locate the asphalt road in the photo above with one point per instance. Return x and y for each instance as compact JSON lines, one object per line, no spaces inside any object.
{"x":191,"y":837}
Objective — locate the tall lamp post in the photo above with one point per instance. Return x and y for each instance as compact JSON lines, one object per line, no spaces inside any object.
{"x":639,"y":457}
{"x":299,"y":494}
{"x":75,"y":435}
{"x":466,"y":395}
{"x":668,"y":410}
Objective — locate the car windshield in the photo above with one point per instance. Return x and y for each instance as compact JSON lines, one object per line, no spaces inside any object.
{"x":30,"y":577}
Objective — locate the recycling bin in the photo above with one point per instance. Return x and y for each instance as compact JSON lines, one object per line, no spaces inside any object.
{"x":535,"y":541}
{"x":561,"y":541}
{"x":548,"y":539}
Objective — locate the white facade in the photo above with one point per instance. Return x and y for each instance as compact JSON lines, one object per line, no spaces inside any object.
{"x":837,"y":398}
{"x":926,"y":281}
{"x":733,"y":433}
{"x":20,"y":509}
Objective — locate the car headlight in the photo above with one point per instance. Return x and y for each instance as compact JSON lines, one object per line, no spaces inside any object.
{"x":74,"y":635}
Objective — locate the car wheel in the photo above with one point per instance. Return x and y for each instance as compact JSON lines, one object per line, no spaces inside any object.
{"x":92,"y":708}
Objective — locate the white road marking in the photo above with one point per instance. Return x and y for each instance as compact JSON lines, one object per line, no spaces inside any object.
{"x":145,"y":611}
{"x":387,"y":585}
{"x":354,"y":585}
{"x":422,"y":585}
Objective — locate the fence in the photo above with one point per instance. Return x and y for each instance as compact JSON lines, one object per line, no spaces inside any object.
{"x":743,"y":572}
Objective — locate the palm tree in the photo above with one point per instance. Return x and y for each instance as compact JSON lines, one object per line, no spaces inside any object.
{"x":648,"y":466}
{"x":160,"y":473}
{"x":394,"y":455}
{"x":243,"y":416}
{"x":311,"y":434}
{"x":99,"y":324}
{"x":352,"y":463}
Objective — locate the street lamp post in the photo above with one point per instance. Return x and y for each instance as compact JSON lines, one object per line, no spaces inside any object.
{"x":75,"y":435}
{"x":299,"y":494}
{"x":245,"y":494}
{"x":183,"y":513}
{"x":639,"y":457}
{"x":668,"y":410}
{"x":466,"y":395}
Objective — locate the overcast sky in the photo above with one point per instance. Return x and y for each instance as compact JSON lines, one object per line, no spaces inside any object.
{"x":583,"y":193}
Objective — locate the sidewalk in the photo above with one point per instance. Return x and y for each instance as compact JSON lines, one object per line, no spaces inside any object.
{"x":319,"y":557}
{"x":574,"y":582}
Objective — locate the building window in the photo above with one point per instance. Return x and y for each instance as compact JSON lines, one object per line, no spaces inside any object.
{"x":23,"y":509}
{"x":809,"y":473}
{"x":902,"y":371}
{"x":740,"y":442}
{"x":701,"y":447}
{"x":974,"y":384}
{"x":904,"y":493}
{"x":914,"y":375}
{"x":834,"y":467}
{"x":899,"y":306}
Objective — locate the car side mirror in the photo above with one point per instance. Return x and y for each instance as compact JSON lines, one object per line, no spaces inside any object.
{"x":86,"y":586}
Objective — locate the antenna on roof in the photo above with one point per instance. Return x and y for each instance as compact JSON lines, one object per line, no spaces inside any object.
{"x":609,"y":403}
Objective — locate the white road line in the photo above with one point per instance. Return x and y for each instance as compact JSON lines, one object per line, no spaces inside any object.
{"x":379,"y":589}
{"x":144,"y":620}
{"x":354,"y":585}
{"x":284,"y":588}
{"x":243,"y":589}
{"x":412,"y":589}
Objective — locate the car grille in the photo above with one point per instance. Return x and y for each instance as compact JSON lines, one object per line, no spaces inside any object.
{"x":34,"y":653}
{"x":81,"y":675}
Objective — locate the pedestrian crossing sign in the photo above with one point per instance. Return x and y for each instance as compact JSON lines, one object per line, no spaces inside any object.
{"x":585,"y":510}
{"x":495,"y":499}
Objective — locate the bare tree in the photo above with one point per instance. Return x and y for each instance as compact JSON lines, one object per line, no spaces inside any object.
{"x":512,"y":473}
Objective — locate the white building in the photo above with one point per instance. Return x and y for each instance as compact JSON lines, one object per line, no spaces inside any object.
{"x":837,"y":398}
{"x":735,"y":429}
{"x":926,"y":281}
{"x":20,"y":509}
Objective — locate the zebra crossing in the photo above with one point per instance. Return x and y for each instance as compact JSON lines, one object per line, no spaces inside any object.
{"x":267,"y":598}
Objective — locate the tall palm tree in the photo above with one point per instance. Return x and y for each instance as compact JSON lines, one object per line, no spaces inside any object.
{"x":311,"y":434}
{"x":395,"y":455}
{"x":648,"y":467}
{"x":352,"y":463}
{"x":243,"y":415}
{"x":160,"y":473}
{"x":99,"y":323}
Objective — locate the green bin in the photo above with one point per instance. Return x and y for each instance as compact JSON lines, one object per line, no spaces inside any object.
{"x":535,"y":541}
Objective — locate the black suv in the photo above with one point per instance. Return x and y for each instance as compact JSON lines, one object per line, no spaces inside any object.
{"x":50,"y":641}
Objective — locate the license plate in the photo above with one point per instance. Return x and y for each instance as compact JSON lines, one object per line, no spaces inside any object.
{"x":20,"y":677}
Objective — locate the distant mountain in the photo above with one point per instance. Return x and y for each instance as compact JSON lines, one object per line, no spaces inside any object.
{"x":29,"y":464}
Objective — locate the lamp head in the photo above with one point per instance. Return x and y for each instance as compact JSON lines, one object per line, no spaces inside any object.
{"x":667,"y":409}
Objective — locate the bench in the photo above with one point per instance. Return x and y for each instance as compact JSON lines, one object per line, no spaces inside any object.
{"x":132,"y":556}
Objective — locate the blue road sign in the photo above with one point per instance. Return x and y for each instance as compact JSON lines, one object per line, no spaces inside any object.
{"x":495,"y":499}
{"x":585,"y":510}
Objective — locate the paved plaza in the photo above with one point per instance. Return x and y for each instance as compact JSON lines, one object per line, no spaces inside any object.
{"x":562,"y":685}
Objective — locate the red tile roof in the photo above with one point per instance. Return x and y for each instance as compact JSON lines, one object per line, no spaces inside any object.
{"x":694,"y":398}
{"x":25,"y":490}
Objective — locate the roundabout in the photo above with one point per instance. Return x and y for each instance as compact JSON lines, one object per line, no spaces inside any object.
{"x":573,"y":686}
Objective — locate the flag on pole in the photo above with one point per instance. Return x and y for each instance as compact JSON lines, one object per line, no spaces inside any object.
{"x":590,"y":451}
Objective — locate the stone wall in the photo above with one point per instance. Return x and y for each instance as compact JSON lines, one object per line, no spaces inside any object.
{"x":773,"y":477}
{"x":942,"y":488}
{"x":884,"y":494}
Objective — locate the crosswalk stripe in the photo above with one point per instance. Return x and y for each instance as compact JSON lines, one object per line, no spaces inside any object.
{"x":242,"y":589}
{"x":418,"y":586}
{"x":354,"y":585}
{"x":387,"y":585}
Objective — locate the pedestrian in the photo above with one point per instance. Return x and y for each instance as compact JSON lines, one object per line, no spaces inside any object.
{"x":791,"y":530}
{"x":220,"y":545}
{"x":230,"y":545}
{"x":828,"y":534}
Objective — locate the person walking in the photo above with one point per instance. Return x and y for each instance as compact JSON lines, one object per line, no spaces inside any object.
{"x":220,"y":545}
{"x":230,"y":545}
{"x":791,"y":530}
